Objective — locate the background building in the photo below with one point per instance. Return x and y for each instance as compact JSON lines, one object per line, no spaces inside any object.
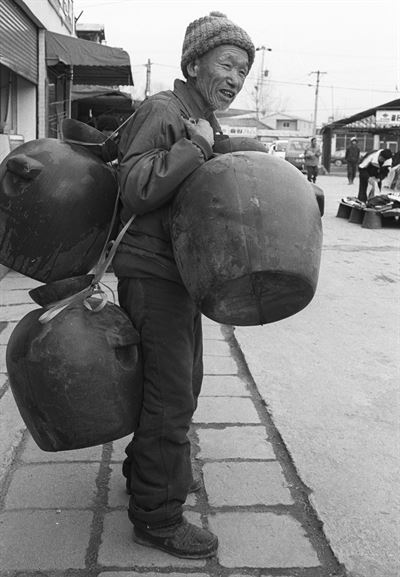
{"x":377,"y":127}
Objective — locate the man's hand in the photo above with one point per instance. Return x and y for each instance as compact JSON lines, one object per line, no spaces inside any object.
{"x":200,"y":127}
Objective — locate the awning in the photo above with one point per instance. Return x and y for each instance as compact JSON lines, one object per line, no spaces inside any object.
{"x":92,"y":63}
{"x":101,"y":96}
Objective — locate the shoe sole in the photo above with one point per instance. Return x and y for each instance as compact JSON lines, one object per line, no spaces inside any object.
{"x":145,"y":543}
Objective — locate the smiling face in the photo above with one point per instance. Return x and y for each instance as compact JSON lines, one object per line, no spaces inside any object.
{"x":219,"y":75}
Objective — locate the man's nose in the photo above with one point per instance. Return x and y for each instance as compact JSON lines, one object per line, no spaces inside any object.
{"x":234,"y":79}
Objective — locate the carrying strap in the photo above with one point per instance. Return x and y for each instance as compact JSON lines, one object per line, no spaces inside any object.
{"x":108,"y":253}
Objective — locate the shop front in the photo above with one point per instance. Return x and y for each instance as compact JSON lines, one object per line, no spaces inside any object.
{"x":18,"y":76}
{"x":73,"y":63}
{"x":374,"y":128}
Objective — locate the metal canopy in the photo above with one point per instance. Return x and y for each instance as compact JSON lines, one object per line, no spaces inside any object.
{"x":92,"y":63}
{"x":361,"y":116}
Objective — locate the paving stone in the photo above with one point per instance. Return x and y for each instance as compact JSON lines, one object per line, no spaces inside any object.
{"x":33,"y":454}
{"x":54,"y":485}
{"x":44,"y":540}
{"x":118,"y":549}
{"x":224,"y":386}
{"x":245,"y":484}
{"x":261,"y":540}
{"x":16,"y":281}
{"x":212,"y":331}
{"x":191,"y":500}
{"x":15,"y":313}
{"x":18,"y":296}
{"x":118,"y":448}
{"x":225,"y":410}
{"x":3,"y":367}
{"x":117,"y":495}
{"x":235,"y":443}
{"x":6,"y":332}
{"x":216,"y":348}
{"x":12,"y":429}
{"x":219,"y":365}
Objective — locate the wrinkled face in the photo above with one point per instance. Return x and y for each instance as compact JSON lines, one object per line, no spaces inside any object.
{"x":219,"y":75}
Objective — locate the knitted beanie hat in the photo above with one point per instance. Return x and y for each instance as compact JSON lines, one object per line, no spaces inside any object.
{"x":210,"y":31}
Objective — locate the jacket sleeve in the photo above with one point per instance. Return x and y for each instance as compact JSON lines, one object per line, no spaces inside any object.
{"x":156,"y":156}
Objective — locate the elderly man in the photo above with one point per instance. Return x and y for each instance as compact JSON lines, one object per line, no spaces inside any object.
{"x":170,"y":135}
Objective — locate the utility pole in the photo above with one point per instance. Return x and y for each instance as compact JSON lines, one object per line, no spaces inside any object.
{"x":260,"y":80}
{"x":148,"y":76}
{"x":318,"y":73}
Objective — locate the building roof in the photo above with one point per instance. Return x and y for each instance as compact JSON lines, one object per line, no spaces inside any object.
{"x":283,"y":115}
{"x":233,"y":112}
{"x":84,"y":27}
{"x":392,"y":105}
{"x":243,"y":122}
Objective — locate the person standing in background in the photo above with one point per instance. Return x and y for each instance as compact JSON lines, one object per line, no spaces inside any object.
{"x":352,"y":158}
{"x":311,"y":159}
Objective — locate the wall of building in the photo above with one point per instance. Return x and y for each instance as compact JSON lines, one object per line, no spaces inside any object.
{"x":26,"y":109}
{"x":31,"y":102}
{"x":54,"y":15}
{"x":286,"y":124}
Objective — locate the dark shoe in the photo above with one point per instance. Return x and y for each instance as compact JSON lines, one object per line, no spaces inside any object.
{"x":184,"y":540}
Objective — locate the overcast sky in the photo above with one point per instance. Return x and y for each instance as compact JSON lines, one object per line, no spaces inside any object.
{"x":355,"y":42}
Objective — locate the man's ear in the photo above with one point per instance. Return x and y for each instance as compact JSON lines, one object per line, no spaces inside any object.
{"x":192,"y":68}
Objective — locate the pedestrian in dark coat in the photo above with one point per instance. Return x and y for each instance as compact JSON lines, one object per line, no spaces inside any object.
{"x":170,"y":136}
{"x":352,"y":158}
{"x":373,"y":168}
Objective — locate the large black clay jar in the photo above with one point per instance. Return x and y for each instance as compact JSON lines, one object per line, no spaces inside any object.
{"x":246,"y":232}
{"x":77,"y":379}
{"x":56,"y":207}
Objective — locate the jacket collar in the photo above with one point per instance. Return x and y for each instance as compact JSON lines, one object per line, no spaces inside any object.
{"x":194,"y":104}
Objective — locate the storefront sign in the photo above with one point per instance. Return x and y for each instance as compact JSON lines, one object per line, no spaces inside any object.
{"x":250,"y":131}
{"x":387,"y":118}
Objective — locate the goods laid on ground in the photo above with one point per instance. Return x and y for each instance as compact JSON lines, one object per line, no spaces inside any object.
{"x":380,"y":210}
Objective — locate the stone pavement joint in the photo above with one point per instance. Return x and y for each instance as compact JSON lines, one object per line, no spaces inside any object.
{"x":64,"y":514}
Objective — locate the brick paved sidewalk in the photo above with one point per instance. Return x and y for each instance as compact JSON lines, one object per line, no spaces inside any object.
{"x":64,"y":514}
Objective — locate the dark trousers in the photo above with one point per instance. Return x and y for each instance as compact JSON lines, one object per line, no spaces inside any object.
{"x":312,"y":173}
{"x":169,"y":324}
{"x":363,"y":185}
{"x":351,"y":171}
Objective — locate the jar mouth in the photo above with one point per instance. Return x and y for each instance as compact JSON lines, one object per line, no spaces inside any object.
{"x":52,"y":292}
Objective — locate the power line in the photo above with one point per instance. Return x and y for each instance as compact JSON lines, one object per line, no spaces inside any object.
{"x":290,"y":83}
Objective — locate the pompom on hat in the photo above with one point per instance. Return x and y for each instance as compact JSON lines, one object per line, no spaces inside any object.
{"x":209,"y":32}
